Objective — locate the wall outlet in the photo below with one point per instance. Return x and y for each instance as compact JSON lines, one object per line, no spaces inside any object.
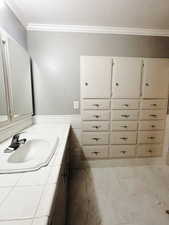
{"x":76,"y":104}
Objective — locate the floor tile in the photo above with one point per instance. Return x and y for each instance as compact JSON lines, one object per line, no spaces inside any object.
{"x":119,"y":196}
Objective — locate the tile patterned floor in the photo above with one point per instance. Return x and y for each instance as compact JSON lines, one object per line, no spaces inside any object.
{"x":119,"y":196}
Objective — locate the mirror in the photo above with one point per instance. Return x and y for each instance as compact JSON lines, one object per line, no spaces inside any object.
{"x":3,"y":99}
{"x":20,"y":79}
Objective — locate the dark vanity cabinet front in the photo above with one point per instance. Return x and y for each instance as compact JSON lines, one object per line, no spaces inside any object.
{"x":60,"y":201}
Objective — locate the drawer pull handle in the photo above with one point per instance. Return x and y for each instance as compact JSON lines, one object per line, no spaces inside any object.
{"x":96,"y":127}
{"x":124,"y":152}
{"x":124,"y":126}
{"x":96,"y":139}
{"x":126,"y":116}
{"x":96,"y":116}
{"x":124,"y":138}
{"x":96,"y":153}
{"x":154,"y":104}
{"x":97,"y":105}
{"x":153,"y":115}
{"x":150,"y":151}
{"x":126,"y":105}
{"x":151,"y":138}
{"x":153,"y":126}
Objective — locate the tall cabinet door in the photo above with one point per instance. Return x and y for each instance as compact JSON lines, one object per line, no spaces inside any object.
{"x":126,"y":81}
{"x":96,"y":76}
{"x":155,"y":78}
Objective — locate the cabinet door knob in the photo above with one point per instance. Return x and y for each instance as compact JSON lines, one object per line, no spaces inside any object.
{"x":154,"y":104}
{"x":97,"y":105}
{"x":117,"y":84}
{"x":147,"y":84}
{"x":123,"y":152}
{"x":86,"y":83}
{"x":153,"y":126}
{"x":150,"y":151}
{"x":96,"y":127}
{"x":96,"y":116}
{"x":151,"y":138}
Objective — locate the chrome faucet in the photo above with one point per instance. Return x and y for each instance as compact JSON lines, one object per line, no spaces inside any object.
{"x":15,"y":143}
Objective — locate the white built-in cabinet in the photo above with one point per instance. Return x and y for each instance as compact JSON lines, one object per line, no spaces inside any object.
{"x":155,"y":78}
{"x":126,"y":79}
{"x":124,"y":104}
{"x":96,"y":69}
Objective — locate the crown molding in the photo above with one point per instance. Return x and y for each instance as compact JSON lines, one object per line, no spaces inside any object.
{"x":15,"y":9}
{"x":97,"y":29}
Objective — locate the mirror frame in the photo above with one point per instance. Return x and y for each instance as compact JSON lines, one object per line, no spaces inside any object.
{"x":8,"y":86}
{"x":5,"y":77}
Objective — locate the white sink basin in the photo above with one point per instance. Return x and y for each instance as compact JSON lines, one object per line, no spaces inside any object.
{"x":29,"y":151}
{"x":33,"y":155}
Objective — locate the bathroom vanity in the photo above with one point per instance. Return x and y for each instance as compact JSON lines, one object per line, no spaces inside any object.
{"x":37,"y":196}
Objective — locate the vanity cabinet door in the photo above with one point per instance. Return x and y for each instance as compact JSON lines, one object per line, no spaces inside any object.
{"x":59,"y":212}
{"x":96,"y":76}
{"x":126,"y":78}
{"x":60,"y":203}
{"x":155,"y":78}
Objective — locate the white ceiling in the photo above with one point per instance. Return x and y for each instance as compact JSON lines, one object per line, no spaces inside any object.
{"x":117,"y":13}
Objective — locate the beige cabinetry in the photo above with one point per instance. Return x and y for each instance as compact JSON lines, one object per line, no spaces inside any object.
{"x":155,"y":78}
{"x":123,"y":106}
{"x":126,"y":71}
{"x":96,"y":76}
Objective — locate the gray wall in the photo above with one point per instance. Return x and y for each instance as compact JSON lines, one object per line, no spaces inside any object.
{"x":10,"y":23}
{"x":57,"y":55}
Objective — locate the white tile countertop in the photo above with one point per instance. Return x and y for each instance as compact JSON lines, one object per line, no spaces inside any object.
{"x":26,"y":198}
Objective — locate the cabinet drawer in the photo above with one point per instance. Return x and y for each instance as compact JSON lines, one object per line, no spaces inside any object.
{"x":96,"y":104}
{"x":95,"y":126}
{"x":123,"y":125}
{"x":96,"y":115}
{"x":152,"y":125}
{"x":149,"y":150}
{"x":123,"y":138}
{"x":95,"y":138}
{"x":153,"y":104}
{"x":125,"y":104}
{"x":124,"y":114}
{"x":152,"y":114}
{"x":150,"y":137}
{"x":95,"y":152}
{"x":122,"y":151}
